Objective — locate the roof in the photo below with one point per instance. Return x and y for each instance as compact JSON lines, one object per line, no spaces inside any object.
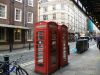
{"x":92,"y":10}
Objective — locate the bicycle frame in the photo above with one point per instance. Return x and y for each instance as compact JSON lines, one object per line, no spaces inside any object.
{"x":13,"y":68}
{"x":7,"y":68}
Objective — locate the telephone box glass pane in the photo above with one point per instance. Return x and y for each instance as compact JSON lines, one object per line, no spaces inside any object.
{"x":53,"y":47}
{"x":64,"y":46}
{"x":40,"y":48}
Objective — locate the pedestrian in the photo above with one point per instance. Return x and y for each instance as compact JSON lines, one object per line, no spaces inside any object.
{"x":91,"y":38}
{"x":98,"y":41}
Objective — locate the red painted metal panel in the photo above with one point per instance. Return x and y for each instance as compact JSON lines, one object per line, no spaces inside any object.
{"x":63,"y":45}
{"x":46,"y":47}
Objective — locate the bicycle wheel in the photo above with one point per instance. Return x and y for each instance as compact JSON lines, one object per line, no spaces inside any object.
{"x":3,"y":74}
{"x":21,"y":71}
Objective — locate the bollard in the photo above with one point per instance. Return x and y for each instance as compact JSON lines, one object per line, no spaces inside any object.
{"x":6,"y":59}
{"x":29,"y":45}
{"x":10,"y":47}
{"x":68,"y":49}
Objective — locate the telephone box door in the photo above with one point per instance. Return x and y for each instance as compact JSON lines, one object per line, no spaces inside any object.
{"x":39,"y":45}
{"x":63,"y":45}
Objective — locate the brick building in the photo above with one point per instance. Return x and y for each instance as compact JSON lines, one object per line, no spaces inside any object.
{"x":16,"y":23}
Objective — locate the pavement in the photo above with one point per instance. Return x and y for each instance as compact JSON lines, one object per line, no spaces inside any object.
{"x":87,"y":63}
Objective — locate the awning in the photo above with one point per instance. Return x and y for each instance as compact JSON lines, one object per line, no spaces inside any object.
{"x":13,"y":26}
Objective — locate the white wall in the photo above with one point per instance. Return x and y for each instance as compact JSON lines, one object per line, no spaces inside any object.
{"x":73,"y":16}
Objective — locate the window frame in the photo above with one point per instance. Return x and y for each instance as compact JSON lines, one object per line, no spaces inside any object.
{"x":20,"y":14}
{"x":54,"y":7}
{"x":43,"y":1}
{"x":4,"y":40}
{"x":29,"y":36}
{"x":29,"y":3}
{"x":19,"y":1}
{"x":63,"y":6}
{"x":31,"y":17}
{"x":5,"y":17}
{"x":45,"y":9}
{"x":19,"y":36}
{"x":54,"y":16}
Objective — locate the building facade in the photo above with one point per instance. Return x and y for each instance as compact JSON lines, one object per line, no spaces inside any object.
{"x":16,"y":23}
{"x":63,"y":12}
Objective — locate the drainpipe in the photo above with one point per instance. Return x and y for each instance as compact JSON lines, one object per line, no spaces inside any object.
{"x":11,"y":22}
{"x":24,"y":20}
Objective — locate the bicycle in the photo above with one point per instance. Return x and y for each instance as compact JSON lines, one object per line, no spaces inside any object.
{"x":15,"y":68}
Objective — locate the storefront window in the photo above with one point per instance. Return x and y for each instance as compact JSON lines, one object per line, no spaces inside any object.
{"x":29,"y":35}
{"x":17,"y":35}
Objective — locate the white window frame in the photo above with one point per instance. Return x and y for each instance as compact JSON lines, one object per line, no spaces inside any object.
{"x":14,"y":36}
{"x":45,"y":9}
{"x":29,"y":3}
{"x":4,"y":40}
{"x":19,"y":1}
{"x":54,"y":16}
{"x":20,"y":14}
{"x":54,"y":7}
{"x":31,"y":17}
{"x":29,"y":36}
{"x":5,"y":17}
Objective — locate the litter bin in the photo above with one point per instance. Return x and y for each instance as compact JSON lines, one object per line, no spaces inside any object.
{"x":82,"y":45}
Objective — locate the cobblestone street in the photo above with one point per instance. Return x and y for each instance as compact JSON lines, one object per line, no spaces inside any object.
{"x":87,"y":63}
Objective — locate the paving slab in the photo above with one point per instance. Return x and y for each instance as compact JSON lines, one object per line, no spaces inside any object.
{"x":87,"y":63}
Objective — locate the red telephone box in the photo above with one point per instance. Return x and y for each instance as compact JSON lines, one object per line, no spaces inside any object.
{"x":46,"y":47}
{"x":63,"y":45}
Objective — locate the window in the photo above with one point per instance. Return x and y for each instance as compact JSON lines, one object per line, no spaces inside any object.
{"x":3,"y":11}
{"x":62,"y":16}
{"x":62,"y":7}
{"x":17,"y":35}
{"x":29,"y":35}
{"x":18,"y":14}
{"x":84,"y":9}
{"x":79,"y":3}
{"x":62,"y":22}
{"x":76,"y":1}
{"x":54,"y":7}
{"x":30,"y":17}
{"x":30,"y":3}
{"x":45,"y":17}
{"x":54,"y":16}
{"x":19,"y":1}
{"x":44,"y":9}
{"x":40,"y":47}
{"x":2,"y":34}
{"x":43,"y":1}
{"x":53,"y":47}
